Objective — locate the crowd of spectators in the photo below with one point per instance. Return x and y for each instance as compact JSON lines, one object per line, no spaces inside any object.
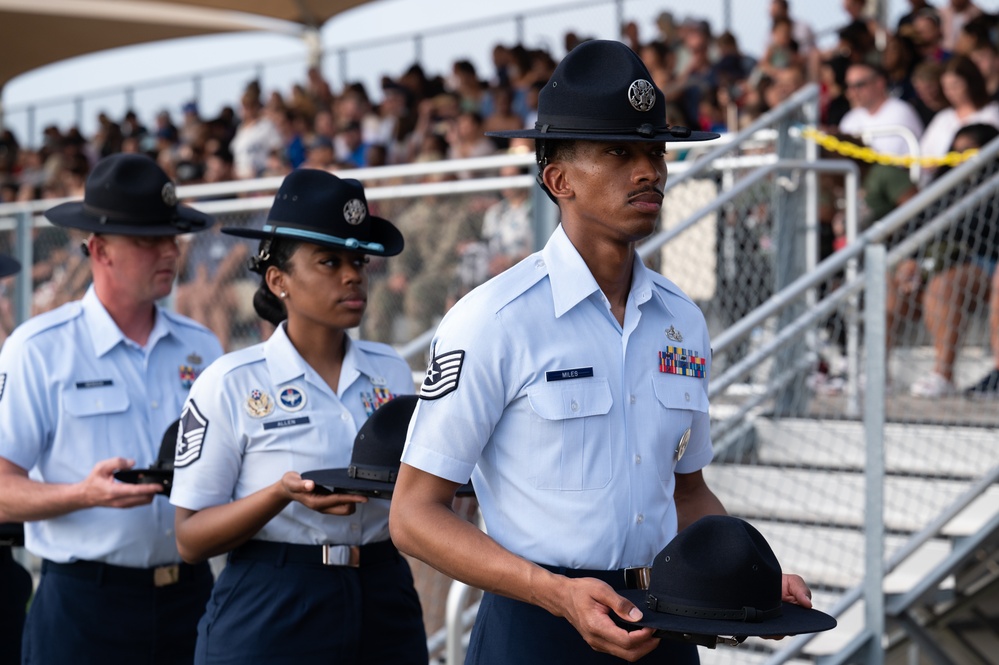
{"x":934,"y":72}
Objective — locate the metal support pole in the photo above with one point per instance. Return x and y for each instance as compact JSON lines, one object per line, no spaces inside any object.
{"x":78,"y":111}
{"x":25,"y":254}
{"x":342,"y":58}
{"x":874,"y":471}
{"x":518,"y":23}
{"x":129,"y":98}
{"x":544,"y":217}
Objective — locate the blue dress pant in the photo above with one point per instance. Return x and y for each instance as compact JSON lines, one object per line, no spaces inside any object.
{"x":277,"y":612}
{"x":508,"y":631}
{"x":92,"y":613}
{"x":15,"y":590}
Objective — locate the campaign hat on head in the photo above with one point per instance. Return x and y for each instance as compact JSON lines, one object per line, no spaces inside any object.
{"x":318,"y":207}
{"x":719,"y":577}
{"x":129,"y":194}
{"x":162,"y":469}
{"x":374,"y":460}
{"x":8,"y":265}
{"x":602,"y":91}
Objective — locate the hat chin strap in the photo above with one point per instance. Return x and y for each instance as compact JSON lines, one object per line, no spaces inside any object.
{"x":746,"y":614}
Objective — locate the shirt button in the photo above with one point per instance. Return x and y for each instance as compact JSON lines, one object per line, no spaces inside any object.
{"x":638,"y":459}
{"x":345,"y":416}
{"x":355,"y":527}
{"x":574,"y":406}
{"x":686,"y":396}
{"x":639,"y":518}
{"x":539,"y":263}
{"x":632,"y":399}
{"x":155,"y":405}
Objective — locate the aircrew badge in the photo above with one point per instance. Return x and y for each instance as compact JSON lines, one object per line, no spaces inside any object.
{"x":292,"y":399}
{"x":187,"y":376}
{"x":673,"y":334}
{"x":194,"y":359}
{"x":375,"y":399}
{"x":259,"y":404}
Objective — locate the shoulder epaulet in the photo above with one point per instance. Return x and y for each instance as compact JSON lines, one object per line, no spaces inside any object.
{"x":667,"y":285}
{"x":238,"y":358}
{"x":509,"y":285}
{"x":377,"y":348}
{"x":49,"y":320}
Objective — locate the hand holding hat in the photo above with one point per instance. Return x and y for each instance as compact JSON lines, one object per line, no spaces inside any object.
{"x":720,"y":577}
{"x":374,"y":460}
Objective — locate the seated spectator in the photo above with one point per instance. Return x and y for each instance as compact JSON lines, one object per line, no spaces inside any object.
{"x":255,"y":137}
{"x":964,"y":87}
{"x":986,"y":57}
{"x":949,"y":281}
{"x":502,"y":117}
{"x":833,"y":104}
{"x":898,"y":61}
{"x":319,"y":154}
{"x":954,"y":15}
{"x":904,"y":27}
{"x":928,"y":37}
{"x":929,"y":92}
{"x":349,"y":146}
{"x":782,"y":50}
{"x":871,"y":108}
{"x":465,"y":138}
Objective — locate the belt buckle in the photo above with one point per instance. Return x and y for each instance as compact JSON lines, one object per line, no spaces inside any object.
{"x":637,"y":577}
{"x":166,"y":575}
{"x":350,"y":556}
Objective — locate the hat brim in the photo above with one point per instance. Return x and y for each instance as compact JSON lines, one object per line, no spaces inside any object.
{"x":794,"y":620}
{"x":568,"y":134}
{"x":336,"y":481}
{"x":146,"y":477}
{"x":73,"y":215}
{"x":9,"y":266}
{"x":385,"y":232}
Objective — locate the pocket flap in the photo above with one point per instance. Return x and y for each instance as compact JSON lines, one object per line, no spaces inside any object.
{"x":95,"y":401}
{"x":680,"y":392}
{"x":571,"y":399}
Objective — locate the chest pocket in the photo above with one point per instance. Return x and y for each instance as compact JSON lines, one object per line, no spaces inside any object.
{"x":91,"y":411}
{"x":679,"y":398}
{"x":570,"y":434}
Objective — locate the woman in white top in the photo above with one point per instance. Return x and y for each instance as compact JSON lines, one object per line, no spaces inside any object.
{"x":964,"y":87}
{"x":311,"y":576}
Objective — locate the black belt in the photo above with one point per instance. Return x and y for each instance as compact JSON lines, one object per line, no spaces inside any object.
{"x":622,"y":578}
{"x":107,"y":573}
{"x":352,"y":556}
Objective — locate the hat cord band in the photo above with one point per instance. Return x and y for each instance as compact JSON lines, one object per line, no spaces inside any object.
{"x":347,"y":243}
{"x":383,"y":475}
{"x":746,"y":614}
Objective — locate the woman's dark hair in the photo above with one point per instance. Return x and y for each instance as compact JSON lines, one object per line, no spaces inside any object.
{"x":979,"y":133}
{"x":275,"y":252}
{"x":965,"y":68}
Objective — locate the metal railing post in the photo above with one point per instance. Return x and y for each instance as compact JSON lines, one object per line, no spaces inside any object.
{"x":25,"y":253}
{"x":875,"y":266}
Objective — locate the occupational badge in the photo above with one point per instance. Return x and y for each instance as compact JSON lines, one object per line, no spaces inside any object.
{"x":194,"y":359}
{"x":673,"y":334}
{"x":292,"y":399}
{"x":259,"y":404}
{"x":355,"y":211}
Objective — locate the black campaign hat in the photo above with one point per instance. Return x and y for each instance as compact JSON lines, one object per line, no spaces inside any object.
{"x":162,"y":469}
{"x":374,"y":460}
{"x":602,"y":91}
{"x":720,"y":577}
{"x":8,"y":265}
{"x":129,"y":194}
{"x":316,"y":206}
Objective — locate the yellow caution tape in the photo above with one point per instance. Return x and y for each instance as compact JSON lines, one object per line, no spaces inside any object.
{"x":847,"y":149}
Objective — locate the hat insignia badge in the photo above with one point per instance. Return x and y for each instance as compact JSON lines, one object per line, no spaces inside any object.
{"x":673,"y":334}
{"x":355,"y":211}
{"x":642,"y":95}
{"x":169,"y":194}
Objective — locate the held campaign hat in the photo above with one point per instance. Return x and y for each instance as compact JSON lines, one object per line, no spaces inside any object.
{"x":720,"y":577}
{"x":374,"y":460}
{"x":602,"y":91}
{"x":162,"y":469}
{"x":8,"y":265}
{"x":129,"y":194}
{"x":317,"y":207}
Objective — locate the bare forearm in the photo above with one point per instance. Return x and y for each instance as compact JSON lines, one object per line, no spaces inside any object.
{"x":25,"y":500}
{"x":694,"y":499}
{"x":206,"y":533}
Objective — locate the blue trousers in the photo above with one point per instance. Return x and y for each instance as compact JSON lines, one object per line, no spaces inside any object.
{"x":508,"y":631}
{"x":15,"y":590}
{"x":91,"y":613}
{"x":276,"y":613}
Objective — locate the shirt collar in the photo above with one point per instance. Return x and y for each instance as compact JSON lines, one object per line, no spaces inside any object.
{"x":105,"y":333}
{"x":285,"y":364}
{"x":571,"y":279}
